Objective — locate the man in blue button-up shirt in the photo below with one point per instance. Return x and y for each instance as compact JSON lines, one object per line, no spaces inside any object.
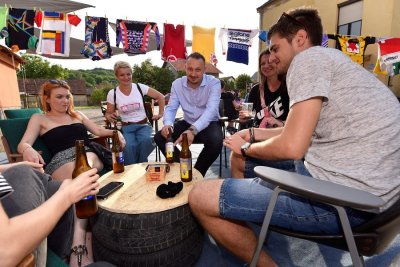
{"x":198,"y":94}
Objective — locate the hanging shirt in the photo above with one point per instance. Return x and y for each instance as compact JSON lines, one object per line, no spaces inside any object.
{"x":20,"y":29}
{"x":174,"y":46}
{"x":55,"y":33}
{"x":204,"y":42}
{"x":239,"y":42}
{"x":3,"y":22}
{"x":354,"y":47}
{"x":135,"y":35}
{"x":97,"y":42}
{"x":388,"y":56}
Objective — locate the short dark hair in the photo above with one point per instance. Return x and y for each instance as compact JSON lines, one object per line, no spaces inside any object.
{"x":291,"y":22}
{"x":222,"y":83}
{"x":197,"y":55}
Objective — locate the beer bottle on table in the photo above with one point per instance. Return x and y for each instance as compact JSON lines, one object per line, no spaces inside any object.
{"x":185,"y":160}
{"x":117,"y":154}
{"x":169,"y":148}
{"x":87,"y":206}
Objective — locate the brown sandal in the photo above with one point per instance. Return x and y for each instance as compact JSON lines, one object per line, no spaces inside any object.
{"x":79,"y":251}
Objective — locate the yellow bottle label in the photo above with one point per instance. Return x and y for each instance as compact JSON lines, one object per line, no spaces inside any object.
{"x":186,"y":166}
{"x":169,"y":150}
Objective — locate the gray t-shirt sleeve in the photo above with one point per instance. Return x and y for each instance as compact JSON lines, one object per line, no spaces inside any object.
{"x":308,"y":76}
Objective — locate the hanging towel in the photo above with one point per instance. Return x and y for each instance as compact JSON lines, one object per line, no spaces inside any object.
{"x":97,"y":42}
{"x":3,"y":22}
{"x":174,"y":43}
{"x":239,"y":42}
{"x":204,"y":42}
{"x":55,"y":32}
{"x":20,"y":29}
{"x":135,"y":35}
{"x":389,"y":56}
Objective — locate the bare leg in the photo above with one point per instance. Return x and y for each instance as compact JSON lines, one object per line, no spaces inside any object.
{"x":233,"y":235}
{"x":237,"y":165}
{"x":94,"y":161}
{"x":79,"y":238}
{"x":65,"y":171}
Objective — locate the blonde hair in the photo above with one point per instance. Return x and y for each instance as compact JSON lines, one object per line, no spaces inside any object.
{"x":45,"y":92}
{"x":121,"y":65}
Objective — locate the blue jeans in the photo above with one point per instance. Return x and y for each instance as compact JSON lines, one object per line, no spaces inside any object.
{"x":247,"y":200}
{"x":287,"y":165}
{"x":139,"y":143}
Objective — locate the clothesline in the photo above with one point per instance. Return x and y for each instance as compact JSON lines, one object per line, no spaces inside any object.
{"x":133,"y":36}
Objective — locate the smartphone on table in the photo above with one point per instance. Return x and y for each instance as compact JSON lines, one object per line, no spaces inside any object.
{"x":108,"y":189}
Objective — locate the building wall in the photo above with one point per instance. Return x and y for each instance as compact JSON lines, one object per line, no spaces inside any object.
{"x":380,"y":19}
{"x":9,"y":93}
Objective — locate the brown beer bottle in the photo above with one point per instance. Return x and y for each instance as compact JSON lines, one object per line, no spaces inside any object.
{"x":185,"y":160}
{"x":87,"y":206}
{"x":117,"y":154}
{"x":169,"y":148}
{"x":118,"y":120}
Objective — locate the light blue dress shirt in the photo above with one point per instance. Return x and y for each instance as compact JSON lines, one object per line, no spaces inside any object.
{"x":200,"y":106}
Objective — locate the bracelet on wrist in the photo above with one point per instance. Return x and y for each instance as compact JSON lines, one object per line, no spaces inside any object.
{"x":26,"y":148}
{"x":252,"y":137}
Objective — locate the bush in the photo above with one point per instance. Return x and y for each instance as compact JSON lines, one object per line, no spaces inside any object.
{"x":97,"y":96}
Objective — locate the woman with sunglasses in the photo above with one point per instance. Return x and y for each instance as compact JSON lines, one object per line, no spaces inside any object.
{"x":59,"y":127}
{"x":271,"y":103}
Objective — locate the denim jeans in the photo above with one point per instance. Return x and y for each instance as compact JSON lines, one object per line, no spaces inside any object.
{"x":248,"y":199}
{"x":287,"y":165}
{"x":139,"y":144}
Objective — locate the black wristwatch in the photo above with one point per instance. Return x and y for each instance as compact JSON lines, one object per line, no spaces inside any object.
{"x":244,"y":148}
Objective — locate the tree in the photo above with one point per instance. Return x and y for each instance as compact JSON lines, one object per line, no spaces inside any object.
{"x":163,"y":79}
{"x":155,"y":77}
{"x":229,"y":84}
{"x":242,"y":81}
{"x":39,"y":68}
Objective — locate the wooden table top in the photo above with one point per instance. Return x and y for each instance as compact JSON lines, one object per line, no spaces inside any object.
{"x":139,"y":196}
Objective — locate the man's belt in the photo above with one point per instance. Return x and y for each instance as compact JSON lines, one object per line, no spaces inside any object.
{"x":144,"y":121}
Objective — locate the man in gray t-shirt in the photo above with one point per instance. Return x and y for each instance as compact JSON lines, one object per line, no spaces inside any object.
{"x":342,"y":120}
{"x":356,"y":140}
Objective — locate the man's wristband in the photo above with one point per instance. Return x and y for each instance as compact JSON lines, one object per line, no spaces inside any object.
{"x":25,"y":149}
{"x":252,"y":137}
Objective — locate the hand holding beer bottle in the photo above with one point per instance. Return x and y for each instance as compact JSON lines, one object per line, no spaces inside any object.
{"x":117,"y":154}
{"x":118,"y":120}
{"x":87,"y":206}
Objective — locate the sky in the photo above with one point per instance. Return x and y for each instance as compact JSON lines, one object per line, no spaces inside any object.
{"x":206,"y":13}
